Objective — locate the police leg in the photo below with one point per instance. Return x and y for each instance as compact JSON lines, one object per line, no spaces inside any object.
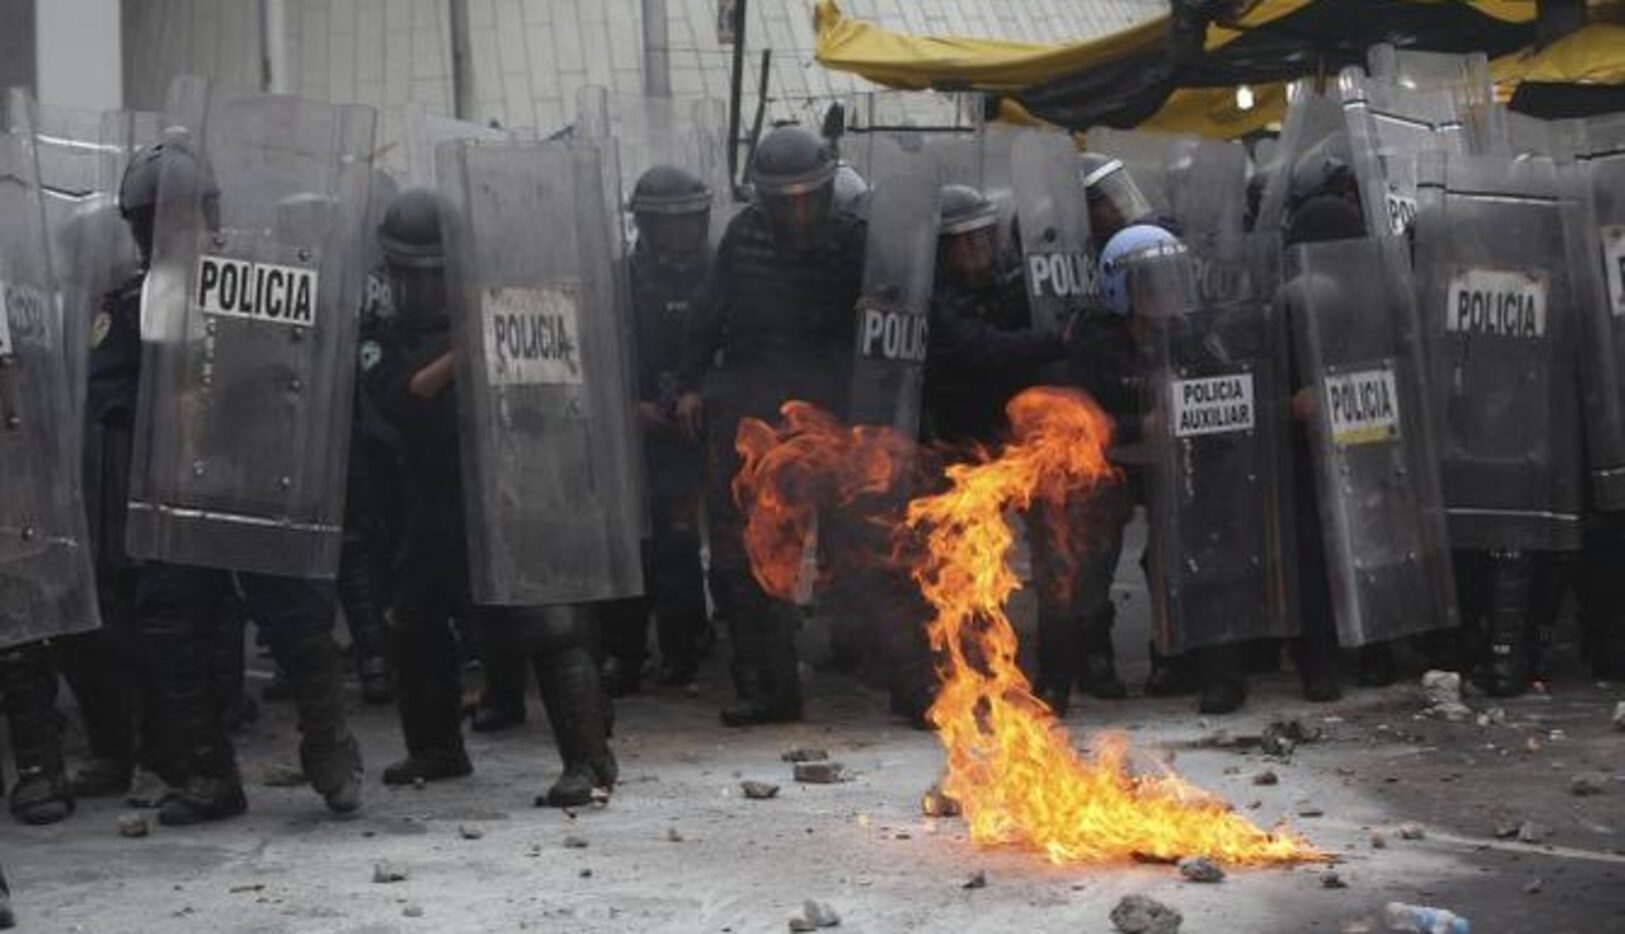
{"x":1601,"y":603}
{"x":42,"y":794}
{"x":1105,"y":511}
{"x":369,"y":632}
{"x":1505,"y":671}
{"x":577,"y":706}
{"x":229,"y":663}
{"x":730,"y":567}
{"x":1555,"y":573}
{"x":625,"y":634}
{"x":677,"y":581}
{"x":297,"y":616}
{"x":429,"y":693}
{"x":501,"y":704}
{"x":1316,"y":649}
{"x":177,"y":619}
{"x":1060,"y":631}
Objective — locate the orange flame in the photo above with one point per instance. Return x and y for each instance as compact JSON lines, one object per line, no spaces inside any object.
{"x":1011,"y":765}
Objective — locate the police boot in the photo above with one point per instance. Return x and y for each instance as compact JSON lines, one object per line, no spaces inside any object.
{"x":99,"y":675}
{"x":1171,"y":675}
{"x":1376,"y":666}
{"x":625,"y":627}
{"x":577,"y":706}
{"x":180,"y":653}
{"x":779,"y":697}
{"x":1097,"y":675}
{"x":42,"y":794}
{"x":369,"y":631}
{"x":1060,"y":649}
{"x":1224,"y":679}
{"x":501,"y":704}
{"x":428,"y":700}
{"x":679,"y":606}
{"x":1505,"y":671}
{"x":328,"y":752}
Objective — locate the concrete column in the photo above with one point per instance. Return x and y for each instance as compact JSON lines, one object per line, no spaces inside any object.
{"x":80,"y":53}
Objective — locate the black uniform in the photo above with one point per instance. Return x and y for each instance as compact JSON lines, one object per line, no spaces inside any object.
{"x":771,"y":325}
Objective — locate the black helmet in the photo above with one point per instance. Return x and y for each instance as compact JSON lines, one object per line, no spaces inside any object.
{"x":793,"y":176}
{"x":1115,"y":201}
{"x":169,"y":170}
{"x":410,"y":232}
{"x":672,"y":209}
{"x":1323,"y":169}
{"x":968,"y":237}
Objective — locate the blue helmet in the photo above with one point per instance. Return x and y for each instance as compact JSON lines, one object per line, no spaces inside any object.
{"x":1122,"y":247}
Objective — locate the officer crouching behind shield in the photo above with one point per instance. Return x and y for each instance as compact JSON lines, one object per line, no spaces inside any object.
{"x":413,"y":384}
{"x":774,"y":323}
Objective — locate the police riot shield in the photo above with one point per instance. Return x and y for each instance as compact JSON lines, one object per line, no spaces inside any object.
{"x":1053,"y":215}
{"x":1599,"y":149}
{"x":542,"y":387}
{"x":1499,"y":308}
{"x":1208,"y":196}
{"x":893,"y":312}
{"x":1219,"y":562}
{"x":426,"y":130}
{"x":1147,"y":155}
{"x":1353,"y":314}
{"x":1389,"y":127}
{"x":249,"y":333}
{"x":46,"y":580}
{"x":1466,"y":78}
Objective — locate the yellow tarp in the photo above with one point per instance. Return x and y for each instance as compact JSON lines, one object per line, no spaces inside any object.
{"x":1593,"y":54}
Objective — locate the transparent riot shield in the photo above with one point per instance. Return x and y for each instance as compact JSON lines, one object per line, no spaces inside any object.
{"x":542,"y":387}
{"x":1208,"y":196}
{"x":426,"y":130}
{"x":249,"y":333}
{"x":1389,"y":127}
{"x":46,"y":580}
{"x":1219,"y":563}
{"x":888,"y":371}
{"x":1466,"y":78}
{"x":1053,"y":215}
{"x":1599,"y":149}
{"x":1311,"y":118}
{"x":1499,"y":309}
{"x":1147,"y":155}
{"x":1360,"y":352}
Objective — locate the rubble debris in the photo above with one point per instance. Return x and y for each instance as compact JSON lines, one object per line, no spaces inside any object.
{"x":1585,"y":784}
{"x":673,"y":835}
{"x":819,"y":773}
{"x":1282,"y":737}
{"x":1331,"y":880}
{"x":250,"y":887}
{"x":938,"y":803}
{"x":469,"y":833}
{"x":585,"y":874}
{"x":1411,"y":831}
{"x":805,"y":754}
{"x":1442,"y":689}
{"x":1533,"y":832}
{"x":412,"y":911}
{"x":1200,"y":869}
{"x":133,"y":825}
{"x":977,"y":881}
{"x":384,"y":872}
{"x":1507,"y":827}
{"x":1266,"y":777}
{"x":1495,"y":716}
{"x":574,"y":842}
{"x":1142,"y":914}
{"x":1378,"y":841}
{"x":1534,"y":886}
{"x":759,"y":791}
{"x":815,"y":915}
{"x":1619,"y":716}
{"x":1310,"y":810}
{"x":278,"y":775}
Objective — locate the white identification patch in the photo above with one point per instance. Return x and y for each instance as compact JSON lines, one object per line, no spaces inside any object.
{"x":533,"y":336}
{"x":23,"y":311}
{"x":1213,"y":405}
{"x":269,"y":292}
{"x":1401,"y":212}
{"x":1498,"y":303}
{"x":1613,"y":267}
{"x":1058,"y":275}
{"x":371,"y":355}
{"x":892,"y":334}
{"x":1363,"y":406}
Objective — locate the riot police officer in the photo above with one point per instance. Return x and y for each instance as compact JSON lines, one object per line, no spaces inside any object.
{"x":774,"y":322}
{"x":177,"y":607}
{"x":412,"y":381}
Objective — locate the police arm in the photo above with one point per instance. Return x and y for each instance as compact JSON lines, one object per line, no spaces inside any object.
{"x":702,"y":336}
{"x":433,"y":379}
{"x":964,"y":340}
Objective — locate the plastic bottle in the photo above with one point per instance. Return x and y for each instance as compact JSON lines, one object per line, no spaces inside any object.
{"x":1420,"y":919}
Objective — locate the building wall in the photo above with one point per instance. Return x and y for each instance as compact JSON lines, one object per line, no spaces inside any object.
{"x":17,"y":43}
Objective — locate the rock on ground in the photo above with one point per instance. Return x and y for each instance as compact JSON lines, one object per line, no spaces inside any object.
{"x":1141,"y":914}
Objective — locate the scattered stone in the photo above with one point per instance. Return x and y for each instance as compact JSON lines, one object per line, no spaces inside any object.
{"x":420,"y":783}
{"x":759,"y":791}
{"x":815,"y":915}
{"x":1411,"y":831}
{"x":1358,"y":926}
{"x":819,"y":773}
{"x":1586,"y":784}
{"x":1331,"y":880}
{"x":386,"y":872}
{"x":977,"y":881}
{"x":469,"y":833}
{"x":1282,"y":737}
{"x":1200,"y":869}
{"x":673,"y":836}
{"x":1267,"y":777}
{"x":1309,"y":810}
{"x":805,"y":754}
{"x":799,"y":923}
{"x":1443,"y":692}
{"x":1254,"y":804}
{"x":1495,"y":716}
{"x":1534,"y":887}
{"x":1619,"y":716}
{"x":585,"y":873}
{"x":574,"y":842}
{"x":278,"y":775}
{"x":133,"y":825}
{"x":1507,"y":827}
{"x":1533,"y":832}
{"x":251,"y":887}
{"x":412,"y":911}
{"x":937,"y":803}
{"x":1379,"y":842}
{"x":1141,"y":914}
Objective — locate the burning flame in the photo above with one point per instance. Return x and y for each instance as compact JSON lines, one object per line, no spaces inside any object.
{"x":1011,"y":765}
